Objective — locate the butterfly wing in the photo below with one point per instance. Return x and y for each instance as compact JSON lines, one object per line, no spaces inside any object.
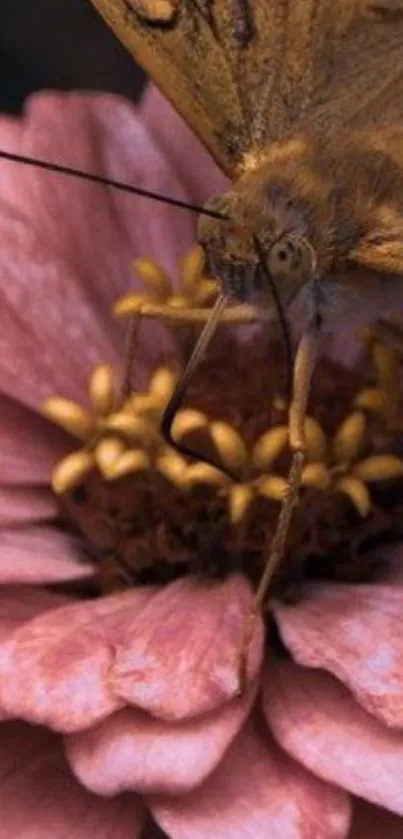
{"x":245,"y":72}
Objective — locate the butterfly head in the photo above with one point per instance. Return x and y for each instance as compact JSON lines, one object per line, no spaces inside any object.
{"x":252,"y":239}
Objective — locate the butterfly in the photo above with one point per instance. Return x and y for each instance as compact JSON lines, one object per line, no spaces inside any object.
{"x":300,"y":102}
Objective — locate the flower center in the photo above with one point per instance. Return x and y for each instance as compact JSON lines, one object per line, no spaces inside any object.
{"x":146,"y":514}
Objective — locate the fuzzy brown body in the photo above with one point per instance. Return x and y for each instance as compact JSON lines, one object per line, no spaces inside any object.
{"x":345,"y":196}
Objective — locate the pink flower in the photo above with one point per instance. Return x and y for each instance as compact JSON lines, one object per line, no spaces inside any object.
{"x":122,"y":709}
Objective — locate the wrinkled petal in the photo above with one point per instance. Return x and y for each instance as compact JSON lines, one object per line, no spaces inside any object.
{"x":40,"y":555}
{"x":355,"y":633}
{"x":22,"y":505}
{"x":371,"y":822}
{"x":317,"y":721}
{"x":184,"y":657}
{"x":40,"y":797}
{"x":256,"y":792}
{"x":189,"y":159}
{"x":157,"y":650}
{"x":30,"y":445}
{"x":65,"y":656}
{"x":131,"y":750}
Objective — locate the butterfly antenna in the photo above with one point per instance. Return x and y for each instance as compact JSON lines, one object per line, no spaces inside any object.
{"x":99,"y":179}
{"x":178,"y":395}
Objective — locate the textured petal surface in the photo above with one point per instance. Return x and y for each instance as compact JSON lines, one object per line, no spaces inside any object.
{"x":30,"y":445}
{"x":256,"y":792}
{"x":184,"y":658}
{"x":131,"y":750}
{"x":157,"y":650}
{"x":318,"y":722}
{"x":65,"y":656}
{"x":40,"y":797}
{"x":76,"y":250}
{"x":371,"y":822}
{"x":39,"y":555}
{"x":20,"y":505}
{"x":355,"y":633}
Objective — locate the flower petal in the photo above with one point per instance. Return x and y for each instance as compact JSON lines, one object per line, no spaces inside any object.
{"x":184,"y":657}
{"x":22,"y":505}
{"x":317,"y":721}
{"x":40,"y":555}
{"x":76,"y":251}
{"x":354,"y":632}
{"x":371,"y":822}
{"x":30,"y":445}
{"x":256,"y":791}
{"x":39,"y":796}
{"x":131,"y":750}
{"x":190,"y":160}
{"x":65,"y":655}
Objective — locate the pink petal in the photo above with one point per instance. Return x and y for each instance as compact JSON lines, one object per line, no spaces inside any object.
{"x":131,"y":750}
{"x":354,"y":632}
{"x":184,"y":657}
{"x":40,"y":798}
{"x":155,"y":650}
{"x":255,"y":793}
{"x":317,"y":721}
{"x":40,"y":555}
{"x":30,"y":445}
{"x":75,"y":253}
{"x":65,"y":655}
{"x":190,"y":160}
{"x":41,"y":356}
{"x":19,"y":604}
{"x":371,"y":822}
{"x":20,"y":505}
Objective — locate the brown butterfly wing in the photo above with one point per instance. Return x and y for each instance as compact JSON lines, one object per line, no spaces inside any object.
{"x":245,"y":72}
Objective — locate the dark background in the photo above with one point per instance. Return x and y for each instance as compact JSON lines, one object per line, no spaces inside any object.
{"x":60,"y":44}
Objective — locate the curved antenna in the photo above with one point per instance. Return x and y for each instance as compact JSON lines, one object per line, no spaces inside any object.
{"x":99,"y":179}
{"x":178,"y":395}
{"x":282,"y":318}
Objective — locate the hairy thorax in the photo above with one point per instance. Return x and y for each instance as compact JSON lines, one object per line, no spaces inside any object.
{"x":326,"y":203}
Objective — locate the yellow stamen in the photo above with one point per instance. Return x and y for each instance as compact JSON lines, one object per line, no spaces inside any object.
{"x":71,"y":471}
{"x":239,"y":499}
{"x":378,"y":467}
{"x":357,"y":492}
{"x":203,"y":473}
{"x":68,"y":415}
{"x":107,"y":453}
{"x":273,"y":487}
{"x":135,"y":427}
{"x":162,"y":384}
{"x":229,"y":444}
{"x":315,"y":440}
{"x":316,"y":475}
{"x":349,"y":437}
{"x":131,"y":462}
{"x":102,"y":388}
{"x":269,"y":446}
{"x":171,"y":466}
{"x":372,"y":399}
{"x":157,"y":282}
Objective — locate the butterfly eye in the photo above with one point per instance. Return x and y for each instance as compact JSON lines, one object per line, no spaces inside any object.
{"x":291,"y":257}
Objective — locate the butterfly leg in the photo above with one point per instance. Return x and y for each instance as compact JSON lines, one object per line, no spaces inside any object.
{"x":305,"y":361}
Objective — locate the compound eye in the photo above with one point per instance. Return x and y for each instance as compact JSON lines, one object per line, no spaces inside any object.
{"x":292,"y":258}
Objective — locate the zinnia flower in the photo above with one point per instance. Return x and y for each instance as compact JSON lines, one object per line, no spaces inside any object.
{"x":119,"y":694}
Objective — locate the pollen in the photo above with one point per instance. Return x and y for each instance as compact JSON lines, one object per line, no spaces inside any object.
{"x":145,"y":512}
